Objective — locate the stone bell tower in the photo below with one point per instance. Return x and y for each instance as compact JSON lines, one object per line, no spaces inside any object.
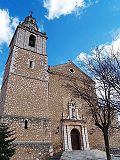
{"x":24,"y":92}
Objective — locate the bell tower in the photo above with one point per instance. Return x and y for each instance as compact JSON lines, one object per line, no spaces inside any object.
{"x":28,"y":36}
{"x":26,"y":76}
{"x":24,"y":92}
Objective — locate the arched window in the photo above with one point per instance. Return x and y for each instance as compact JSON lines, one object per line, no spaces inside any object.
{"x":32,"y":40}
{"x":26,"y":124}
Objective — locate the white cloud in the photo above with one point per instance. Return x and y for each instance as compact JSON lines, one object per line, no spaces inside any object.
{"x":107,"y":49}
{"x":81,"y":56}
{"x":1,"y":78}
{"x":15,"y":22}
{"x":7,"y":26}
{"x":116,"y":44}
{"x":57,"y":8}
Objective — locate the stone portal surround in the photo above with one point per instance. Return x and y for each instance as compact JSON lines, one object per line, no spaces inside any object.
{"x":67,"y":136}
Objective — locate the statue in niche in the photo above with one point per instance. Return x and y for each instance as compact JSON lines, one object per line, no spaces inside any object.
{"x":73,"y":113}
{"x":72,"y":109}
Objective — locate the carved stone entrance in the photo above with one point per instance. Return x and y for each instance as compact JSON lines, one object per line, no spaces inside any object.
{"x":75,"y":139}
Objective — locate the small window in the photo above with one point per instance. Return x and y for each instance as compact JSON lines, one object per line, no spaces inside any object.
{"x":31,"y":64}
{"x":26,"y":124}
{"x":71,"y":70}
{"x":32,"y":40}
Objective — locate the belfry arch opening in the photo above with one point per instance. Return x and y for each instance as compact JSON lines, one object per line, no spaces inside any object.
{"x":75,"y":139}
{"x":32,"y":40}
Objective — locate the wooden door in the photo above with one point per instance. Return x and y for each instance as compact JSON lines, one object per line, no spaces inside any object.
{"x":75,"y":139}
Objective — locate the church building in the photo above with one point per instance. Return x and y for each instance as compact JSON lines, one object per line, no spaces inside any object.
{"x":47,"y":118}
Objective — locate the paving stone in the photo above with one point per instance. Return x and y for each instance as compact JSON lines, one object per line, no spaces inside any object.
{"x":86,"y":155}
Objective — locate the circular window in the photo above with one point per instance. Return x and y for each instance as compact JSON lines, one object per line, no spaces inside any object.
{"x":71,"y":70}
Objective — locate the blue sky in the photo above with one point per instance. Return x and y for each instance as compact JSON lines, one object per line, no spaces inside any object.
{"x":73,"y":27}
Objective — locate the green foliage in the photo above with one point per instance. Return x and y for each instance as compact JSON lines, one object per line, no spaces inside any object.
{"x":7,"y":148}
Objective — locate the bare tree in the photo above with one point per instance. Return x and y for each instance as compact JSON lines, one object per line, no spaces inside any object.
{"x":105,"y":70}
{"x":113,"y":63}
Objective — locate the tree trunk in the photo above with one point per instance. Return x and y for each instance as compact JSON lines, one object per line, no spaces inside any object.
{"x":107,"y":148}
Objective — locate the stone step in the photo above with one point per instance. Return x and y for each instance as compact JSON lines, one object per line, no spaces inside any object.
{"x":84,"y":155}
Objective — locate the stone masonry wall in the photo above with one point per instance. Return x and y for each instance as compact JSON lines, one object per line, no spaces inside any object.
{"x":38,"y":129}
{"x":59,"y":96}
{"x":27,"y":88}
{"x":26,"y":97}
{"x":58,"y":100}
{"x":32,"y":151}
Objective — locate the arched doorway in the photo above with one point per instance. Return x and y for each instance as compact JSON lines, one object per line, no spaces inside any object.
{"x":75,"y":139}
